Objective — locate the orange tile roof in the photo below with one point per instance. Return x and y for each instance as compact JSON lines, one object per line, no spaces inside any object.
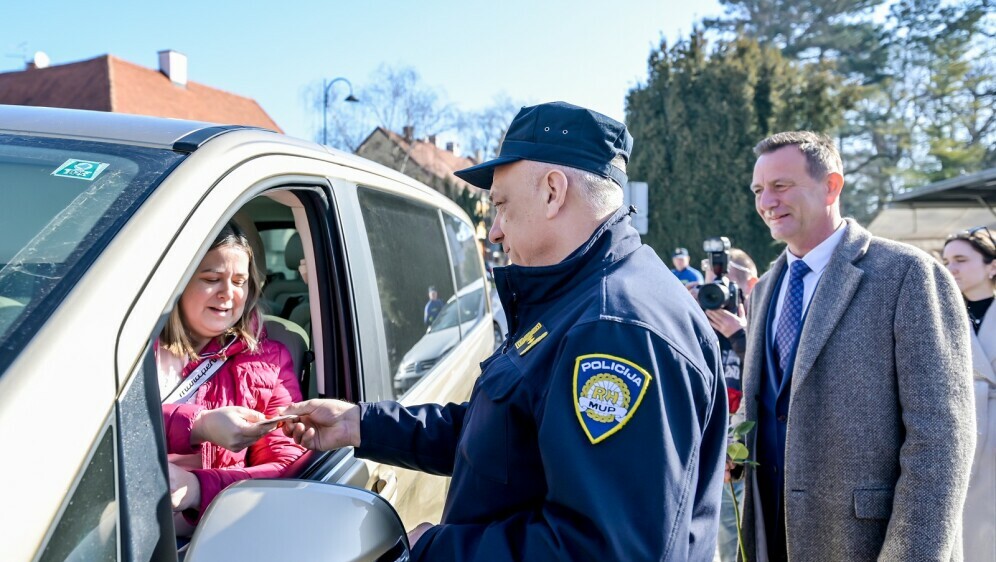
{"x":107,"y":83}
{"x":434,"y":160}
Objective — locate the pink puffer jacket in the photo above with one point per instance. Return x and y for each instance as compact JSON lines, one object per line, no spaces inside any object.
{"x":263,"y":380}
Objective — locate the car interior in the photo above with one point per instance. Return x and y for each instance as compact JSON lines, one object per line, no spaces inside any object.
{"x":279,"y":226}
{"x":278,"y":250}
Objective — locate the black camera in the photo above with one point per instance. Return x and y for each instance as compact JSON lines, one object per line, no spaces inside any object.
{"x":721,"y":292}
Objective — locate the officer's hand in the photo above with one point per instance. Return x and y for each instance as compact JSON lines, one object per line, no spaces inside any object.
{"x":727,"y":323}
{"x":417,"y":533}
{"x":324,"y":424}
{"x":729,"y":467}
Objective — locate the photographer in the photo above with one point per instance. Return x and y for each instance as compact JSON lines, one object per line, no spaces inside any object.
{"x":730,"y":274}
{"x":743,"y":273}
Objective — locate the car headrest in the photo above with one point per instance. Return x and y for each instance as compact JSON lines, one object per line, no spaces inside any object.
{"x":293,"y":252}
{"x":294,"y":338}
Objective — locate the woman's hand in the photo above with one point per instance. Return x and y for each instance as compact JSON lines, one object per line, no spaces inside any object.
{"x":184,"y":489}
{"x":231,"y":427}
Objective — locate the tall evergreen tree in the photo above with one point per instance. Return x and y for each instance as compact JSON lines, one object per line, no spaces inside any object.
{"x":812,"y":30}
{"x":695,"y":123}
{"x":924,"y":78}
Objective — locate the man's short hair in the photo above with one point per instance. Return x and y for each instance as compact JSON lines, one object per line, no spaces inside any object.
{"x":822,"y":156}
{"x":603,"y":195}
{"x":742,"y":268}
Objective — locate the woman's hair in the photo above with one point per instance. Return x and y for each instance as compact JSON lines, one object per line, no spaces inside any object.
{"x":979,"y":239}
{"x":248,"y":327}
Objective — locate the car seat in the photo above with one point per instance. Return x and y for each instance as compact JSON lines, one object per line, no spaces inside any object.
{"x":296,"y":340}
{"x":291,"y":335}
{"x":280,"y":292}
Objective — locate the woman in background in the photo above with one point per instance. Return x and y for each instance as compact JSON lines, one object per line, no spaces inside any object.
{"x":970,"y":255}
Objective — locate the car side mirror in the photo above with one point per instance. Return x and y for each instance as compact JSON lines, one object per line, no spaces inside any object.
{"x":300,"y":521}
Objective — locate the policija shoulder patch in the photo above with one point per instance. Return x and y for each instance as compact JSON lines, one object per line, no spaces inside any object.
{"x":607,"y":392}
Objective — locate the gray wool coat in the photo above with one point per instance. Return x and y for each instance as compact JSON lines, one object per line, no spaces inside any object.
{"x":880,"y":430}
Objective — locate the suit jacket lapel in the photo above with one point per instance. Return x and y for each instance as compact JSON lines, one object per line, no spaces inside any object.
{"x":833,"y":295}
{"x":760,"y":300}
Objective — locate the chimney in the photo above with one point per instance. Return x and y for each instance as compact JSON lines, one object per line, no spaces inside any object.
{"x":174,"y":65}
{"x":408,"y":132}
{"x":453,"y":147}
{"x":39,"y":60}
{"x":432,"y":140}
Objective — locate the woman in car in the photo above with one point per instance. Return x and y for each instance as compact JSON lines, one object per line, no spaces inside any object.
{"x":970,"y":255}
{"x":221,"y":379}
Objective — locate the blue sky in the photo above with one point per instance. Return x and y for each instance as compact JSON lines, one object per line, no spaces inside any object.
{"x":582,"y":51}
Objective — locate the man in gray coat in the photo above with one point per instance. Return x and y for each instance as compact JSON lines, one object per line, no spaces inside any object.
{"x":858,"y":374}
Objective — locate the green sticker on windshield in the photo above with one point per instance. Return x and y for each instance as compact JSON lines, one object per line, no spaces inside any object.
{"x":80,"y":169}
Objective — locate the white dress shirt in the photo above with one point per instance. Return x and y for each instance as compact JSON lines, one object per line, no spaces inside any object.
{"x":817,"y":259}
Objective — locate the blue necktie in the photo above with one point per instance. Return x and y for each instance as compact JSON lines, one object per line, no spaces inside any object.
{"x":790,"y":321}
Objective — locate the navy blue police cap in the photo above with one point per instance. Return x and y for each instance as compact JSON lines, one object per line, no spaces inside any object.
{"x":559,"y":133}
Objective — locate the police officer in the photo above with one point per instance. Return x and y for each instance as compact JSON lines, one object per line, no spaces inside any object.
{"x":598,"y":430}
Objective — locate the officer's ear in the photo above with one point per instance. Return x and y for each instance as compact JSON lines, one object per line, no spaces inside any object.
{"x":553,"y":185}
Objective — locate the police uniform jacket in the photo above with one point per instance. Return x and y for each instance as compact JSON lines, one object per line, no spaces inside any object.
{"x":596,"y":432}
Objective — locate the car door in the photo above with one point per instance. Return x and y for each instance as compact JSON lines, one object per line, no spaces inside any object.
{"x":166,"y":239}
{"x":350,"y":340}
{"x":412,"y":245}
{"x":159,"y":247}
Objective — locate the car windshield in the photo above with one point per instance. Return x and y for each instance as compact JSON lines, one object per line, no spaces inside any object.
{"x":60,"y":203}
{"x":465,"y":307}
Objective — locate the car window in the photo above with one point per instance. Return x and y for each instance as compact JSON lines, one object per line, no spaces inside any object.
{"x":275,"y":242}
{"x":88,"y":527}
{"x":448,"y":317}
{"x":410,"y":256}
{"x":62,"y":201}
{"x":466,"y":256}
{"x":464,"y":251}
{"x":462,"y":308}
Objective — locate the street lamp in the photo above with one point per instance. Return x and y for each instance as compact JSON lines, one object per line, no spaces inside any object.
{"x":326,"y":87}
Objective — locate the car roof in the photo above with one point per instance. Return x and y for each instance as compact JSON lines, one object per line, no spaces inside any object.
{"x":156,"y":132}
{"x":172,"y":134}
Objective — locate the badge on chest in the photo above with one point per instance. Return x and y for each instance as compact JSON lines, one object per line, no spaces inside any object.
{"x":607,"y":392}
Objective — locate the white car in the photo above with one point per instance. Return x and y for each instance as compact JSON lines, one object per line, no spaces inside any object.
{"x":103,"y":218}
{"x":458,"y":316}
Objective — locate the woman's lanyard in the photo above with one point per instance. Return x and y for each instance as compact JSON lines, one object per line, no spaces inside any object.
{"x":200,"y":375}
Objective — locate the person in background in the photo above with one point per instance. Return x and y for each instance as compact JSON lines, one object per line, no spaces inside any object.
{"x":743,"y":272}
{"x":684,"y":272}
{"x":733,"y":329}
{"x":865,"y":338}
{"x":970,"y":256}
{"x":221,"y":379}
{"x":432,"y":307}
